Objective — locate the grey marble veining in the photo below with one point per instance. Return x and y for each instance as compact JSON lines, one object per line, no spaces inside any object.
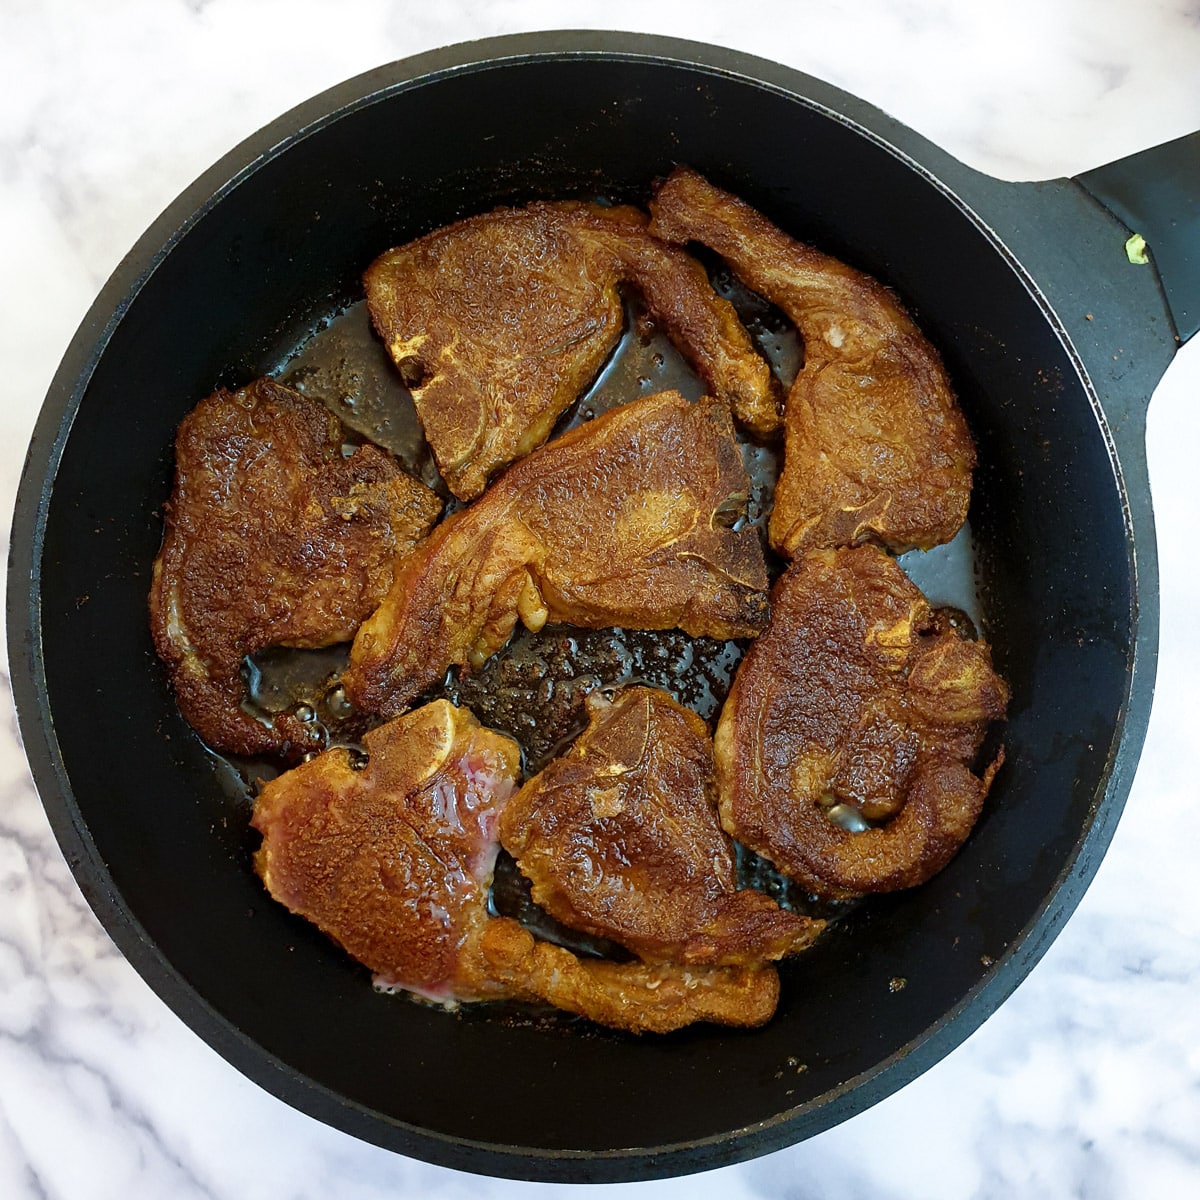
{"x":1086,"y":1083}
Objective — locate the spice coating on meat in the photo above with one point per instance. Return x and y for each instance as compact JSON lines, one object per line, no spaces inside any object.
{"x":621,"y":839}
{"x":876,"y":448}
{"x":852,"y":698}
{"x":634,"y":996}
{"x":499,"y":321}
{"x":273,"y":537}
{"x":393,"y":859}
{"x":624,"y":521}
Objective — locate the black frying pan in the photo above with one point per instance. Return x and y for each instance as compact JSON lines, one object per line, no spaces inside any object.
{"x":1055,"y":340}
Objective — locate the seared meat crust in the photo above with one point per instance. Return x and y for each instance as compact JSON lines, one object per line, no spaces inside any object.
{"x":273,"y":537}
{"x":624,"y":521}
{"x":393,"y":859}
{"x":499,"y":321}
{"x":876,"y":448}
{"x":634,"y":996}
{"x":851,"y":698}
{"x":621,"y":839}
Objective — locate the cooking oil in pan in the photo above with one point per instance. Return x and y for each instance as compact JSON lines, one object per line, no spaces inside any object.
{"x":346,"y":367}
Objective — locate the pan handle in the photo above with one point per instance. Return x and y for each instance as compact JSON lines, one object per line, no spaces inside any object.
{"x":1155,"y":194}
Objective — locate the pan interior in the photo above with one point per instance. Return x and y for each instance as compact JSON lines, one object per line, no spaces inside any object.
{"x":282,"y":252}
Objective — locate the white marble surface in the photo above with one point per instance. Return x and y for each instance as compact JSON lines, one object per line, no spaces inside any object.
{"x":1086,"y":1083}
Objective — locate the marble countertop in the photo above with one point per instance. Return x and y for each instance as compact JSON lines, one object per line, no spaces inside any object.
{"x":1086,"y":1082}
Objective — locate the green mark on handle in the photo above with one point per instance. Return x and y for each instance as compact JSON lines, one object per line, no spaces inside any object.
{"x":1135,"y":249}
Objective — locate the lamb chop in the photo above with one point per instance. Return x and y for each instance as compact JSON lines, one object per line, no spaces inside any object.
{"x":499,"y":321}
{"x":844,"y":749}
{"x":392,"y":858}
{"x":274,"y":537}
{"x":876,"y":447}
{"x":621,"y":840}
{"x":624,"y":521}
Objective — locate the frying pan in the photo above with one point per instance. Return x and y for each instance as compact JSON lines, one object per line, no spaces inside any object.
{"x":1055,"y":339}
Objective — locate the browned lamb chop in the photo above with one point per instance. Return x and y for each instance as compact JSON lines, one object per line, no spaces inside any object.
{"x":275,"y":536}
{"x":499,"y":321}
{"x":624,"y":521}
{"x":844,"y":750}
{"x":876,"y":448}
{"x":621,"y":839}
